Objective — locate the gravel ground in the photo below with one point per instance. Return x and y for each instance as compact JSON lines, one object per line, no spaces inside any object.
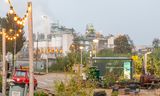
{"x":47,"y":81}
{"x":143,"y":92}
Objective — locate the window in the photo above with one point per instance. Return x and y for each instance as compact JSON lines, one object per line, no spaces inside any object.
{"x":20,"y":73}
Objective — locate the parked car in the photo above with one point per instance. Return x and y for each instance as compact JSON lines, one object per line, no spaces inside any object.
{"x":22,"y":76}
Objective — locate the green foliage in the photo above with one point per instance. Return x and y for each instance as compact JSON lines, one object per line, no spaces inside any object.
{"x":153,"y":62}
{"x":138,"y":65}
{"x":60,"y":65}
{"x":57,"y":68}
{"x":122,"y":45}
{"x":111,"y":53}
{"x":106,"y":52}
{"x":74,"y":57}
{"x":114,"y":93}
{"x":110,"y":78}
{"x":66,"y":63}
{"x":75,"y":87}
{"x":40,"y":93}
{"x":156,"y":43}
{"x":93,"y":73}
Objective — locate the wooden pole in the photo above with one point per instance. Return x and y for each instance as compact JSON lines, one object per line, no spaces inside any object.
{"x":4,"y":63}
{"x":47,"y":62}
{"x":37,"y":54}
{"x":30,"y":35}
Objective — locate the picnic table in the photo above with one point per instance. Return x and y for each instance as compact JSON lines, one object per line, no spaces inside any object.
{"x":132,"y":87}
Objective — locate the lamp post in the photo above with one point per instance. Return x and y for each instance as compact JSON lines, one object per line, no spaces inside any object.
{"x":95,"y":41}
{"x":4,"y":72}
{"x":30,"y":35}
{"x":37,"y":53}
{"x":81,"y":48}
{"x":145,"y":62}
{"x":4,"y":63}
{"x":90,"y":57}
{"x":47,"y":62}
{"x":47,"y":40}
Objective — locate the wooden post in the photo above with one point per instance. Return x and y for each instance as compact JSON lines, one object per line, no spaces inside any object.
{"x":37,"y":54}
{"x":4,"y":79}
{"x":30,"y":35}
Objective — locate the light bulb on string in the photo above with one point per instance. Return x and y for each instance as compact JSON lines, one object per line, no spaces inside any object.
{"x":17,"y":35}
{"x":18,"y":22}
{"x":20,"y":30}
{"x":10,"y":30}
{"x":6,"y":36}
{"x":15,"y":18}
{"x":23,"y":23}
{"x":29,"y":8}
{"x":25,"y":18}
{"x":14,"y":37}
{"x":11,"y":11}
{"x":27,"y":13}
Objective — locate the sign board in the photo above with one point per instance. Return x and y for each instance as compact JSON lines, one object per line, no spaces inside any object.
{"x":16,"y":93}
{"x":127,"y":70}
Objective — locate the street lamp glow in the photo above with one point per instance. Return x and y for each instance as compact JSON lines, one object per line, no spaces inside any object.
{"x":95,"y":40}
{"x":81,"y":47}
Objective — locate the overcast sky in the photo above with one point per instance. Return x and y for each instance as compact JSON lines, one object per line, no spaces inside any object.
{"x":140,"y":19}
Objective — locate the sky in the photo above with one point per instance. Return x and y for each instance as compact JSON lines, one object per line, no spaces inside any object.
{"x":140,"y":19}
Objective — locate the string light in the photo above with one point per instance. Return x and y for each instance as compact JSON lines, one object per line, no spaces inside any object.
{"x":20,"y":21}
{"x":20,"y":30}
{"x":14,"y":37}
{"x":10,"y":30}
{"x":29,"y":8}
{"x":11,"y":11}
{"x":17,"y":35}
{"x":15,"y":18}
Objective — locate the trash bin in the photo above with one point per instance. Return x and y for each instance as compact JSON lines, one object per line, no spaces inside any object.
{"x":94,"y":73}
{"x":17,"y":89}
{"x":97,"y":74}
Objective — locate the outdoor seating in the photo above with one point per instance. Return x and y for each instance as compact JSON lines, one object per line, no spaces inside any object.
{"x":132,"y":88}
